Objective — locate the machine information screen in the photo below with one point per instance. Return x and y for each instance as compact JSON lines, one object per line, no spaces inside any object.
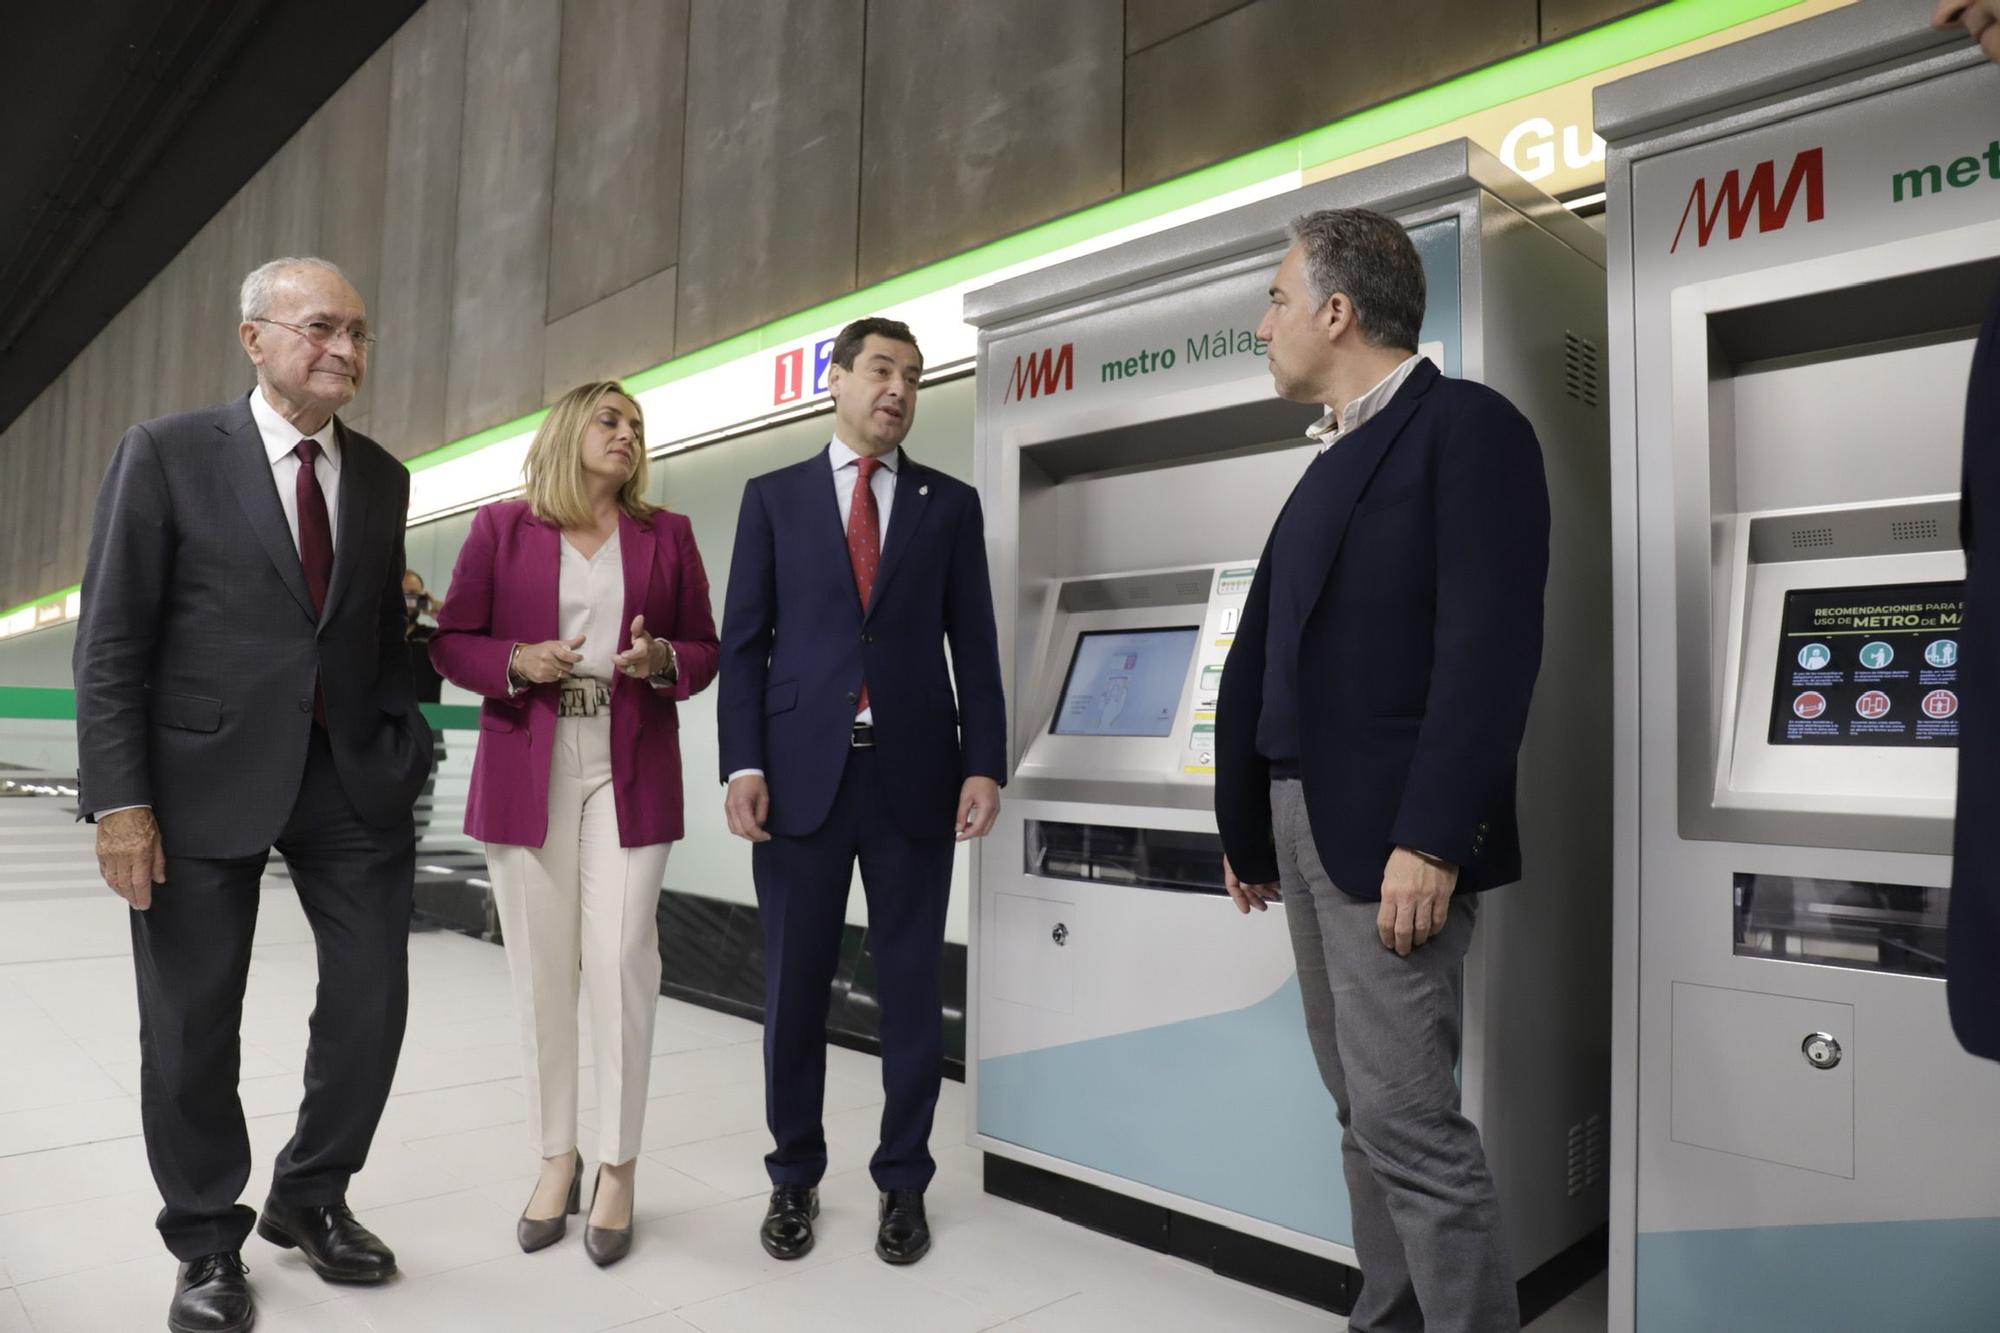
{"x":1869,"y":666}
{"x":1125,"y":682}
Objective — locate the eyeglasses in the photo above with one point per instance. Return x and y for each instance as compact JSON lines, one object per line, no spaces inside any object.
{"x":322,"y":334}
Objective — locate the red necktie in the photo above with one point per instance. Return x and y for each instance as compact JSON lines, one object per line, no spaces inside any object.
{"x":864,"y":541}
{"x":315,"y":543}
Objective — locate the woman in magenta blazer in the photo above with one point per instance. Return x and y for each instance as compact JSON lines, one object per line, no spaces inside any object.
{"x":581,"y":615}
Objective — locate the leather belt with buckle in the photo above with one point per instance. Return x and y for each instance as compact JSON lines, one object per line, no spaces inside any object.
{"x":863,"y":737}
{"x":583,"y":698}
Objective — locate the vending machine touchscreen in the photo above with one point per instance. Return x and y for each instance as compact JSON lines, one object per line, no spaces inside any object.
{"x":1125,"y":682}
{"x":1869,"y":666}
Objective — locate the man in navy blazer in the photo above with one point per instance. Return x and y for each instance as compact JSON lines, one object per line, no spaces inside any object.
{"x":841,"y":740}
{"x":1367,"y":732}
{"x":1972,"y":946}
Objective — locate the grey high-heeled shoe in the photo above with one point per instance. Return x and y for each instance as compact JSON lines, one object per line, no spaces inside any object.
{"x":605,"y":1245}
{"x":538,"y":1233}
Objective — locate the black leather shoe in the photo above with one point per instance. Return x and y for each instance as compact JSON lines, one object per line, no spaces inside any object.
{"x":787,"y":1232}
{"x":210,"y":1296}
{"x":905,"y":1234}
{"x":339,"y":1248}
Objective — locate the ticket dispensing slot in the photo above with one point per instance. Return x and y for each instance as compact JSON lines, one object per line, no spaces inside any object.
{"x":1822,"y":706}
{"x":1176,"y":860}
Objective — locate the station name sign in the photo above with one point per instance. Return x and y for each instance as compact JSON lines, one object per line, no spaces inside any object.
{"x":1052,"y":370}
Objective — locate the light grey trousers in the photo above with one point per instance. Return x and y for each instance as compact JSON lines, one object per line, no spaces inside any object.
{"x":1385,"y":1031}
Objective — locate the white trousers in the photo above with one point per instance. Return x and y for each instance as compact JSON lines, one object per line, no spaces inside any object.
{"x":582,"y":897}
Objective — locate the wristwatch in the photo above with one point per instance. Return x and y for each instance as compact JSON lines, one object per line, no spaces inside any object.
{"x":672,"y":674}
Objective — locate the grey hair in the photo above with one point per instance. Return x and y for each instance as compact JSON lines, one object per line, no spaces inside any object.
{"x":1369,"y":258}
{"x":262,"y":281}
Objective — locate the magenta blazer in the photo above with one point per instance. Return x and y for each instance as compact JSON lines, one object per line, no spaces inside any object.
{"x":503,"y":592}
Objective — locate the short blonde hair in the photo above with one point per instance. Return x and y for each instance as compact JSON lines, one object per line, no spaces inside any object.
{"x":555,"y":461}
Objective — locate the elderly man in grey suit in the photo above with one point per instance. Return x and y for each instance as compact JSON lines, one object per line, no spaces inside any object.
{"x":242,"y":684}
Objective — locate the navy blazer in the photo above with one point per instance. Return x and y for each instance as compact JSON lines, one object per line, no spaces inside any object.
{"x":1418,"y":659}
{"x":1972,"y":947}
{"x":797,"y":643}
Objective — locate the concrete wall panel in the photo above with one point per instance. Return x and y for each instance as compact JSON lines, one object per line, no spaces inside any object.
{"x":15,"y":459}
{"x":1566,"y":18}
{"x":506,"y":169}
{"x":356,"y":136}
{"x":412,"y":304}
{"x":1207,"y":94}
{"x":179,"y":383}
{"x":87,"y":420}
{"x":1150,"y":22}
{"x":530,"y":193}
{"x":224,"y":370}
{"x":47,"y":427}
{"x":769,"y":204}
{"x":629,"y":331}
{"x":619,"y":127}
{"x":1006,"y":117}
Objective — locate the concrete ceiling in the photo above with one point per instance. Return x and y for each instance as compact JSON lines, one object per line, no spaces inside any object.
{"x":125,"y":125}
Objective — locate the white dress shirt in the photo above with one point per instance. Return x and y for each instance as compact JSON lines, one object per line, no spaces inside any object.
{"x":1326,"y":432}
{"x":281,"y":437}
{"x":590,"y":600}
{"x":883,"y":484}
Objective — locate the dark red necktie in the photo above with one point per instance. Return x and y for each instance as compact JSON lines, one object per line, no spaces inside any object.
{"x":864,"y":541}
{"x":315,"y":543}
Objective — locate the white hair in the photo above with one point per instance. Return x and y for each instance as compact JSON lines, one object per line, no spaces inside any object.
{"x":262,"y":280}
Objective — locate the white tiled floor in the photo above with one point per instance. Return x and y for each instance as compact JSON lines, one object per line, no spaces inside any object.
{"x":451,"y":1168}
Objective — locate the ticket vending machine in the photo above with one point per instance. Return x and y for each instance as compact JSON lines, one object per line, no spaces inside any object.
{"x":1129,"y":1029}
{"x":1804,"y":230}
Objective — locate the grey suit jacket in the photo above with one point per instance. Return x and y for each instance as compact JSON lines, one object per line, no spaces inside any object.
{"x":197,"y":648}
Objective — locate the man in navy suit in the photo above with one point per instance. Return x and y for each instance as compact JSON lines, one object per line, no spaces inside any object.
{"x":1367,"y":733}
{"x":1972,"y":947}
{"x":840,"y":740}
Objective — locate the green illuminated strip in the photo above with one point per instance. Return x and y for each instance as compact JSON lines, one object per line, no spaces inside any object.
{"x":1633,"y":38}
{"x":22,"y":702}
{"x":43,"y":600}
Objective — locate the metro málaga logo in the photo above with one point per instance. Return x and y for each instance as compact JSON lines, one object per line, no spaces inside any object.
{"x":1051,"y":370}
{"x":1732,"y":203}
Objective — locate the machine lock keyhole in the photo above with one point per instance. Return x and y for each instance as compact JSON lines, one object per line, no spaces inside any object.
{"x":1821,"y":1050}
{"x":1060,"y":934}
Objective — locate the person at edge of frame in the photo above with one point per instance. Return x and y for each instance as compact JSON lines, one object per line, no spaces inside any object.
{"x":1972,"y":942}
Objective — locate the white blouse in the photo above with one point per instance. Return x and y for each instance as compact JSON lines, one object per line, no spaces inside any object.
{"x":590,"y":600}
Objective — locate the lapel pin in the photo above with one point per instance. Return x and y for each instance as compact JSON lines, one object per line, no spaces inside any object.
{"x":923,"y":490}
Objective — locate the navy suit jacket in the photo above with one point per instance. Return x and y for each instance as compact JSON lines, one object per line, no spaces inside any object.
{"x":1972,"y":948}
{"x":797,"y":644}
{"x":1418,"y":659}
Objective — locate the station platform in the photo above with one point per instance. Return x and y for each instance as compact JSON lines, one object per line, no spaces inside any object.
{"x":451,"y":1167}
